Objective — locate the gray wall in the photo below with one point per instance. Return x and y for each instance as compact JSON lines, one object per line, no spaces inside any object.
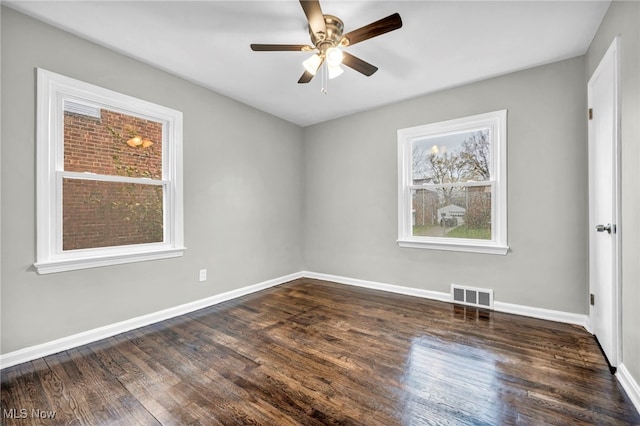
{"x":242,"y":194}
{"x":623,"y":19}
{"x":351,"y":212}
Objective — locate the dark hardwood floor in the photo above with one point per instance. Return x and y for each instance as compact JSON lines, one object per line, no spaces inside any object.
{"x":315,"y":353}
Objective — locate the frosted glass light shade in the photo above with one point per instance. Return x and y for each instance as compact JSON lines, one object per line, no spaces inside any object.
{"x":334,"y":70}
{"x":334,"y":56}
{"x":312,"y":64}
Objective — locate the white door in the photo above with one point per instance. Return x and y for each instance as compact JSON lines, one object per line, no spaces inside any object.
{"x":602,"y":93}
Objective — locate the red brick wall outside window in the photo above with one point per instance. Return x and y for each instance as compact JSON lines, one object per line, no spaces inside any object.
{"x":99,"y":213}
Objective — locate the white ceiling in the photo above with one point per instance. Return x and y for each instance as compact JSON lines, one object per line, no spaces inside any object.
{"x":441,"y":44}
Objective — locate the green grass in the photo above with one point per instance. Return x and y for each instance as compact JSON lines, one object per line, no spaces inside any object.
{"x":473,"y":233}
{"x":461,"y":231}
{"x":429,"y":231}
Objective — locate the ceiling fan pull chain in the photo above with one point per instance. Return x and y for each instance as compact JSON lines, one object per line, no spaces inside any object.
{"x":325,"y":78}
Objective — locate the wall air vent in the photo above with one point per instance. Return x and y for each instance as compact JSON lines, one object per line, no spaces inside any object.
{"x":472,"y":296}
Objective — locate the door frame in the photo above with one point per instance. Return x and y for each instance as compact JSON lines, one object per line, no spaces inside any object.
{"x":616,"y":308}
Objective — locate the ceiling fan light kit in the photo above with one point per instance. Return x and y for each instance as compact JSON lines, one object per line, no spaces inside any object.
{"x":327,"y":37}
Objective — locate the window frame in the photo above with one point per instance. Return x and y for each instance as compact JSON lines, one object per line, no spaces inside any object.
{"x":52,"y":90}
{"x":497,"y":122}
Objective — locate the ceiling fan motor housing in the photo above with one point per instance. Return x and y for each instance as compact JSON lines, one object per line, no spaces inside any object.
{"x":332,"y":37}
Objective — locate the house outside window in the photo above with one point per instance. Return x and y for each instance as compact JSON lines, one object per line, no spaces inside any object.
{"x":109,"y":177}
{"x":452,"y":185}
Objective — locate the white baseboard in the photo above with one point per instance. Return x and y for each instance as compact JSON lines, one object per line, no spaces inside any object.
{"x":38,"y":351}
{"x":540,"y":313}
{"x":629,"y":384}
{"x":391,"y":288}
{"x":28,"y":354}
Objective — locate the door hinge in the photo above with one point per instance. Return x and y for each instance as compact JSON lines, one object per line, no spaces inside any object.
{"x":592,"y":299}
{"x":590,"y":113}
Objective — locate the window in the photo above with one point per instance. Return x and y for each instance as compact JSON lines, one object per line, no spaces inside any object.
{"x":109,"y":186}
{"x":452,"y":185}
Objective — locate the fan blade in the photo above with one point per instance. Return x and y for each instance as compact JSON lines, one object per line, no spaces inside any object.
{"x":314,"y":15}
{"x":306,"y":77}
{"x":374,"y":29}
{"x":280,"y":47}
{"x":358,"y":64}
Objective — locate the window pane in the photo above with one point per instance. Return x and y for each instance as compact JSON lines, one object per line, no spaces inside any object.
{"x":459,"y":157}
{"x":452,"y":212}
{"x":104,"y":214}
{"x":109,"y":143}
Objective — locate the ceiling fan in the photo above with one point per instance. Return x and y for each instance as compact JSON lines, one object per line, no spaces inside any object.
{"x":327,"y":38}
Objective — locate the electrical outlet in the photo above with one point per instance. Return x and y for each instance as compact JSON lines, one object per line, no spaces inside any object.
{"x":203,"y":274}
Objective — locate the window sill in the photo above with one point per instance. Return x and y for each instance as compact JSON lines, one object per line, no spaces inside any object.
{"x":468,"y":246}
{"x":53,"y":266}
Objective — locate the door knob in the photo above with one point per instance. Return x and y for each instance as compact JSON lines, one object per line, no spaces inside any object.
{"x":608,"y":227}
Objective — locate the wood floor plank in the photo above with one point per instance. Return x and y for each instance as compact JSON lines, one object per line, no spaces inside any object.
{"x":106,"y":396}
{"x":311,"y":352}
{"x":72,"y":407}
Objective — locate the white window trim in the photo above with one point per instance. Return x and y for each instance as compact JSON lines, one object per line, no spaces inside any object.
{"x":497,"y":121}
{"x":53,"y":89}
